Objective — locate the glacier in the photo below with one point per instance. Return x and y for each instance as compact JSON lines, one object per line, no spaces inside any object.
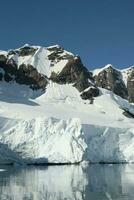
{"x":41,"y":140}
{"x":38,"y":128}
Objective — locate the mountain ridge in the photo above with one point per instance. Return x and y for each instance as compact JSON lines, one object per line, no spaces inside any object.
{"x":62,"y":67}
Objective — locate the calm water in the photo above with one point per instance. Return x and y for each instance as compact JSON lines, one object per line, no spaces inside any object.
{"x":95,"y":182}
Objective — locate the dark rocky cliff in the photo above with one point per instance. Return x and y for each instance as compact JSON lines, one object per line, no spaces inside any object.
{"x":111,"y":79}
{"x":74,"y":72}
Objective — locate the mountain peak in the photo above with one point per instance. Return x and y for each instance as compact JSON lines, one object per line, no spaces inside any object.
{"x":106,"y":67}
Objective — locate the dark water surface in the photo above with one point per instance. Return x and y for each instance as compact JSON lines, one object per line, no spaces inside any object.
{"x":75,"y":182}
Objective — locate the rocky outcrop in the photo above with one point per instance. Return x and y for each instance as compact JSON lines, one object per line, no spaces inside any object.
{"x":130,"y":86}
{"x":90,"y":93}
{"x":23,"y":51}
{"x":8,"y":70}
{"x":25,"y":74}
{"x":111,"y":79}
{"x":73,"y":72}
{"x":57,"y":54}
{"x":127,"y":113}
{"x":3,"y":58}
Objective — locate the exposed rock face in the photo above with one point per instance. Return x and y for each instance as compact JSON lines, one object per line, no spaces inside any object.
{"x":3,"y":58}
{"x":25,"y":74}
{"x":111,"y":79}
{"x":130,"y":86}
{"x":128,"y":114}
{"x":73,"y":72}
{"x":12,"y":68}
{"x":57,"y":54}
{"x":90,"y":93}
{"x":24,"y":51}
{"x":28,"y":75}
{"x":8,"y":70}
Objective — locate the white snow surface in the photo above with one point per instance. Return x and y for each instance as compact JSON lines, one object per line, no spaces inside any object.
{"x":59,"y":127}
{"x":59,"y":66}
{"x":3,"y":52}
{"x":41,"y":140}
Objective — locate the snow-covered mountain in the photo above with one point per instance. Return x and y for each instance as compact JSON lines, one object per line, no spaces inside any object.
{"x":54,"y":110}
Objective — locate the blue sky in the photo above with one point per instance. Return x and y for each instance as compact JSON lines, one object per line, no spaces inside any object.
{"x":100,"y":31}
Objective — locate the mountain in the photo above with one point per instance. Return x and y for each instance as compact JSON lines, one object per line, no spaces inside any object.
{"x":54,"y":110}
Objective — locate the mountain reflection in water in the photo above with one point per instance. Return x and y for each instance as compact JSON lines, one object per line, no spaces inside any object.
{"x":75,"y":182}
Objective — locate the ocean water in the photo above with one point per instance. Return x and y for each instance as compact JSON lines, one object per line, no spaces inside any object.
{"x":67,"y":182}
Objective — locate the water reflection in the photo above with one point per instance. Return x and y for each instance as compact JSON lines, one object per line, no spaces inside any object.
{"x":39,"y":183}
{"x":94,"y":182}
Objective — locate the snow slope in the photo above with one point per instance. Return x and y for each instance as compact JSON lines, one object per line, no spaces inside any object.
{"x":59,"y":127}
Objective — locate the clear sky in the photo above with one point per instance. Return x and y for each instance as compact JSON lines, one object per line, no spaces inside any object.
{"x":100,"y":31}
